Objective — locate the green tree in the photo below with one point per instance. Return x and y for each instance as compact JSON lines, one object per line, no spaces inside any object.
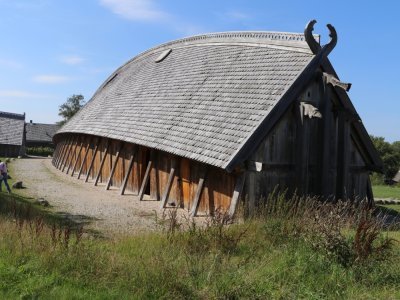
{"x":70,"y":108}
{"x":390,"y":154}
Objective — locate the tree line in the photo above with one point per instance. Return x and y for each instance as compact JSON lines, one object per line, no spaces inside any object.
{"x":390,"y":154}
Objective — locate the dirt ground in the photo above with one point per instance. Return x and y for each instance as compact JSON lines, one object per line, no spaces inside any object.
{"x":103,"y":211}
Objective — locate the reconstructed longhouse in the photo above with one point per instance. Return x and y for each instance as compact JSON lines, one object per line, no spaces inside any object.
{"x":207,"y":121}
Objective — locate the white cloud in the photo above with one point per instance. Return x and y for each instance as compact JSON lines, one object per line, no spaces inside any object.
{"x":51,"y":79}
{"x":21,"y":94}
{"x":11,"y":64}
{"x":72,"y":59}
{"x":138,"y":10}
{"x":237,"y":16}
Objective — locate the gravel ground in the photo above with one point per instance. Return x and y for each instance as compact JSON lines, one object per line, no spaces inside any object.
{"x":103,"y":211}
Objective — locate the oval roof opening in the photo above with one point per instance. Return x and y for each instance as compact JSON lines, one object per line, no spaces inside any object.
{"x":163,"y":55}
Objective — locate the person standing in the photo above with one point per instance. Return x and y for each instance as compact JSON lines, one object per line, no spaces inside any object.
{"x":3,"y":172}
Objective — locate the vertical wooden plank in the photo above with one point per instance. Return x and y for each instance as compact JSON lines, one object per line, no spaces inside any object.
{"x":302,"y":146}
{"x":73,"y":154}
{"x":326,"y":140}
{"x":154,"y":175}
{"x":236,"y":193}
{"x":145,"y":180}
{"x":87,"y":149}
{"x":199,"y":191}
{"x":128,"y":171}
{"x":102,"y":162}
{"x":343,"y":155}
{"x":55,"y":155}
{"x":77,"y":157}
{"x":114,"y":166}
{"x":96,"y":149}
{"x":69,"y":151}
{"x":60,"y":151}
{"x":167,"y":189}
{"x":185,"y":181}
{"x":65,"y":146}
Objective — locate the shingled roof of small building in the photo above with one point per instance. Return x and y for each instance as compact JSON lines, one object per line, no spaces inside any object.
{"x":201,"y":97}
{"x":11,"y":128}
{"x":37,"y":132}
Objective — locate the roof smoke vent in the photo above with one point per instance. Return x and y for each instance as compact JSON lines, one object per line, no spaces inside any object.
{"x":163,"y":55}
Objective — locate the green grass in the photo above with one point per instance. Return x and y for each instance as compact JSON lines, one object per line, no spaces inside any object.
{"x":386,"y":191}
{"x":260,"y":258}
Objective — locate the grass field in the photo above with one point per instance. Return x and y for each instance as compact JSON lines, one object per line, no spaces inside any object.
{"x":267,"y":258}
{"x":386,"y":191}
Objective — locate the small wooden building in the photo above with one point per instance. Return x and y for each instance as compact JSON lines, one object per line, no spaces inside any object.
{"x":12,"y":132}
{"x":40,"y":135}
{"x":206,"y":121}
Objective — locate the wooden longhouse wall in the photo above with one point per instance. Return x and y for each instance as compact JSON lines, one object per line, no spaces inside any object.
{"x":291,"y":157}
{"x":75,"y":154}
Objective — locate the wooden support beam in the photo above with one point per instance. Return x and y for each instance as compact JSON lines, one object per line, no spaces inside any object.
{"x":236,"y":193}
{"x":96,"y":149}
{"x":87,"y":149}
{"x":145,"y":180}
{"x":102,"y":163}
{"x":199,"y":191}
{"x":63,"y":150}
{"x":69,"y":153}
{"x":77,"y":158}
{"x":128,"y":172}
{"x":167,"y":190}
{"x":55,"y":155}
{"x":114,"y":166}
{"x":73,"y":155}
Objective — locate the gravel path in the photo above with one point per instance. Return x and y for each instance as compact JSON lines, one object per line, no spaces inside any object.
{"x":104,"y":211}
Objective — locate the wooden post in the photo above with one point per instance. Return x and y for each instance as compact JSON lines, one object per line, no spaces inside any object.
{"x":102,"y":163}
{"x":57,"y":158}
{"x":114,"y":166}
{"x":72,"y":156}
{"x":236,"y":193}
{"x":145,"y":180}
{"x":64,"y":148}
{"x":77,"y":158}
{"x":68,"y":155}
{"x":93,"y":158}
{"x":55,"y":155}
{"x":199,"y":191}
{"x":128,"y":172}
{"x":167,"y":190}
{"x":84,"y":158}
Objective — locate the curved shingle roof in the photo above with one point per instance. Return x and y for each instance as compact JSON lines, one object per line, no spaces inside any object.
{"x":37,"y":132}
{"x":11,"y":128}
{"x":203,"y":100}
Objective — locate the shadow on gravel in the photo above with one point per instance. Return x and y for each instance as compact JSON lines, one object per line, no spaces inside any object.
{"x":20,"y":208}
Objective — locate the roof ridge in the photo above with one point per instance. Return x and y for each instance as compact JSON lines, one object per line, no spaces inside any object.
{"x":10,"y":115}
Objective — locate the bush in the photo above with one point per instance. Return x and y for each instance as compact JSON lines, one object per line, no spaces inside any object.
{"x":40,"y":151}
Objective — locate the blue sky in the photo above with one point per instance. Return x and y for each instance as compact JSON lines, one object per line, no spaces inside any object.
{"x":51,"y":49}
